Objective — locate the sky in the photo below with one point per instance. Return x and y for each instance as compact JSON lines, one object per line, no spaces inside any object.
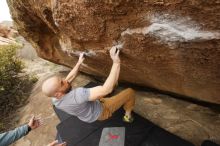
{"x":4,"y":11}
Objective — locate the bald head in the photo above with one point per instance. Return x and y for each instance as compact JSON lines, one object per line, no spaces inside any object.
{"x":51,"y":86}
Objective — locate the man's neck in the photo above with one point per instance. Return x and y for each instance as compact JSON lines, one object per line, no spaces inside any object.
{"x":59,"y":97}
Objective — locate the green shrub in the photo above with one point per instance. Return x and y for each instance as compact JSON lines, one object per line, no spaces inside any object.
{"x":10,"y":67}
{"x":14,"y":83}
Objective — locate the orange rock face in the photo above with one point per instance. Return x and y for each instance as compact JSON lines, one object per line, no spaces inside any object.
{"x":4,"y":32}
{"x":7,"y":31}
{"x":167,"y":45}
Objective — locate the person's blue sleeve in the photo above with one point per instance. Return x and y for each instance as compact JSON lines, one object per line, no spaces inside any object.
{"x":9,"y":137}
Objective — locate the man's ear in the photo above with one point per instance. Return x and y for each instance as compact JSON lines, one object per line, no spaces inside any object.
{"x":58,"y":94}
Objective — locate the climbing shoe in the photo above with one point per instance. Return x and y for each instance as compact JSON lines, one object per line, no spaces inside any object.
{"x":128,"y":119}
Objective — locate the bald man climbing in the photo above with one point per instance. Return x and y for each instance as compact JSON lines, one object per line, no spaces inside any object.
{"x":88,"y":104}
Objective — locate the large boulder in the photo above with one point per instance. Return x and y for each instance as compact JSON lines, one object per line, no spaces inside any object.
{"x":169,"y":45}
{"x":7,"y":30}
{"x":7,"y":33}
{"x":4,"y":31}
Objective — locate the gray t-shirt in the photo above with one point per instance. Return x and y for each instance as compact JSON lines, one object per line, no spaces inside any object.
{"x":76,"y":102}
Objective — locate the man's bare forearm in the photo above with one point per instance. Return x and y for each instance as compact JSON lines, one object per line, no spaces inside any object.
{"x":112,"y":78}
{"x":117,"y":76}
{"x":73,"y":73}
{"x":100,"y":91}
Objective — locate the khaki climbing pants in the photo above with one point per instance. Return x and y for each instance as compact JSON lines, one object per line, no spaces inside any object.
{"x":125,"y":98}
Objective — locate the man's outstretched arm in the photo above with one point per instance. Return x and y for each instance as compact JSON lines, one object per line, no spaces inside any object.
{"x":73,"y":73}
{"x":107,"y":87}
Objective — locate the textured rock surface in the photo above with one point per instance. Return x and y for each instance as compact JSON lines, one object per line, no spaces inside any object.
{"x":7,"y":33}
{"x":168,"y":45}
{"x":4,"y":31}
{"x":190,"y":121}
{"x":7,"y":30}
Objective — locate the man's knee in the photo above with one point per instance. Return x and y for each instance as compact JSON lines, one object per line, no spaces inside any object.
{"x":130,"y":91}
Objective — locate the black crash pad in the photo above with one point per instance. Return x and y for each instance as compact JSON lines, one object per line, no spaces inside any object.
{"x":141,"y":132}
{"x":209,"y":143}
